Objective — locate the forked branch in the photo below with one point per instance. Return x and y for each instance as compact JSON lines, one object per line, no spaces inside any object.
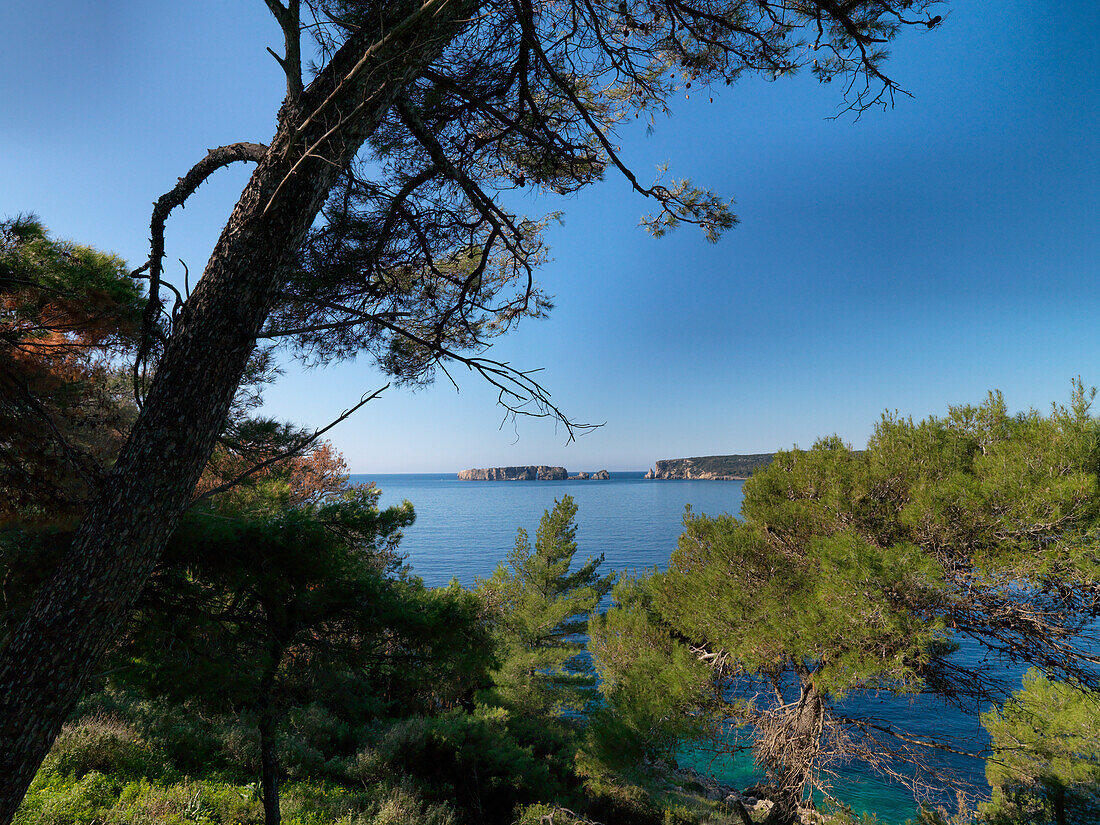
{"x":185,"y":187}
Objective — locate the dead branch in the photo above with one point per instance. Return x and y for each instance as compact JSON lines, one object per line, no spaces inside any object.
{"x":291,"y":451}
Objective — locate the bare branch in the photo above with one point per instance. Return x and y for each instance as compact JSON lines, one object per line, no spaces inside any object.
{"x":289,"y":19}
{"x":291,"y":451}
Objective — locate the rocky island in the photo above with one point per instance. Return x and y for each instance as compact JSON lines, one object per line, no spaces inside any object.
{"x":529,"y":473}
{"x":711,"y":467}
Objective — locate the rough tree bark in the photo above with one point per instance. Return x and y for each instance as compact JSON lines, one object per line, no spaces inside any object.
{"x":268,"y":722}
{"x":79,"y":611}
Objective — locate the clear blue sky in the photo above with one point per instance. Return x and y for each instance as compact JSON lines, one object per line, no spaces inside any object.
{"x":913,"y":259}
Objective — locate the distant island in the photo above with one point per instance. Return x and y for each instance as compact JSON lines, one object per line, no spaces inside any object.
{"x":531,"y":472}
{"x":711,"y":467}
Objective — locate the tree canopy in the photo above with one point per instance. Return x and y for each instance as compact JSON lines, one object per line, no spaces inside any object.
{"x":1045,"y":765}
{"x":541,"y":606}
{"x":863,"y":571}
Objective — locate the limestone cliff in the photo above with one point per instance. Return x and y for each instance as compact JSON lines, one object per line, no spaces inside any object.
{"x":529,"y":473}
{"x":711,"y":467}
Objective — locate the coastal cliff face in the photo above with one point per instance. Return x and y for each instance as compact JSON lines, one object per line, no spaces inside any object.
{"x":529,"y":473}
{"x":711,"y":467}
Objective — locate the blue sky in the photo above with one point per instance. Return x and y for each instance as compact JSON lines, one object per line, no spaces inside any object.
{"x":914,"y":259}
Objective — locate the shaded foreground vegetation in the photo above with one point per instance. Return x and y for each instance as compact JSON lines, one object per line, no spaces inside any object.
{"x":283,"y":665}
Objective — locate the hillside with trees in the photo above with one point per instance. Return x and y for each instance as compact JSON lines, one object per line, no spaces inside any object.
{"x":285,"y":666}
{"x":711,"y":467}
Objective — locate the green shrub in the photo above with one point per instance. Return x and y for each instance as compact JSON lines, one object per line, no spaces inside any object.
{"x":472,"y":759}
{"x":402,"y":806}
{"x":104,"y":745}
{"x":61,"y":799}
{"x":312,"y":738}
{"x":543,"y":814}
{"x":189,"y":740}
{"x":325,"y":803}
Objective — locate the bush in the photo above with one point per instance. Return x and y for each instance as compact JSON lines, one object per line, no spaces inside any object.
{"x":471,"y":758}
{"x":402,"y":806}
{"x":542,"y":814}
{"x":190,"y":741}
{"x":312,"y":737}
{"x":104,"y":745}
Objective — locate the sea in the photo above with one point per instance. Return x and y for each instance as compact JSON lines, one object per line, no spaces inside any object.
{"x":464,"y":529}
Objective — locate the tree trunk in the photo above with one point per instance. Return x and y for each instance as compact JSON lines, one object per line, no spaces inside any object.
{"x":1058,"y":800}
{"x":81,"y":608}
{"x":269,"y":757}
{"x":800,"y":747}
{"x":269,"y":768}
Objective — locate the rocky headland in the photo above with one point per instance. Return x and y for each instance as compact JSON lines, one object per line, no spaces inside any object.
{"x":529,"y":473}
{"x":711,"y":467}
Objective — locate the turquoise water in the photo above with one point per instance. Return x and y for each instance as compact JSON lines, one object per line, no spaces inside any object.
{"x":464,"y":529}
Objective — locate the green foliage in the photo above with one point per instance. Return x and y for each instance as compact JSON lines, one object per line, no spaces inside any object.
{"x":106,"y":746}
{"x":243,"y":590}
{"x":472,"y":760}
{"x":99,"y":799}
{"x":301,"y":622}
{"x":1046,"y":753}
{"x":539,"y":610}
{"x":401,"y":805}
{"x":655,"y":686}
{"x":102,"y":772}
{"x":840,"y":605}
{"x":60,"y":270}
{"x":851,"y":570}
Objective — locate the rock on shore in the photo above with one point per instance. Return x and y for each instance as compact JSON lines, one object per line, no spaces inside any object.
{"x":528,"y":473}
{"x":755,"y":799}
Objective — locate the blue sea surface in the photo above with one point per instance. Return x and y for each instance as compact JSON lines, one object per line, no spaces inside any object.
{"x":464,"y":529}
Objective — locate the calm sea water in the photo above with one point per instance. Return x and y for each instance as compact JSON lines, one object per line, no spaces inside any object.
{"x":464,"y":529}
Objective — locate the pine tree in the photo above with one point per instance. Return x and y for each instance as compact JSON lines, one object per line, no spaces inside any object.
{"x":542,"y":610}
{"x":67,"y":312}
{"x":856,"y":571}
{"x":1046,"y":754}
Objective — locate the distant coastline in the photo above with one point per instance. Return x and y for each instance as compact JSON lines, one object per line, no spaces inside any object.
{"x":696,"y":468}
{"x":710,"y":467}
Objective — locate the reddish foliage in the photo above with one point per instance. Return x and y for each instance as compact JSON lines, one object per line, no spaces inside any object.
{"x":66,"y":312}
{"x":311,"y":477}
